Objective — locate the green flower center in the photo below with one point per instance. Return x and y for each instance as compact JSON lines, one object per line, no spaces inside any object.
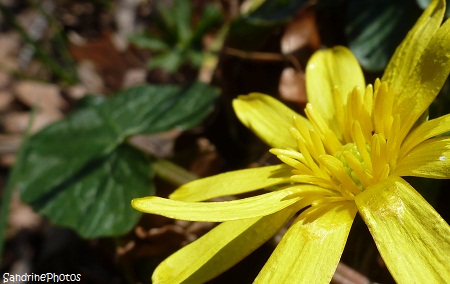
{"x":351,"y":149}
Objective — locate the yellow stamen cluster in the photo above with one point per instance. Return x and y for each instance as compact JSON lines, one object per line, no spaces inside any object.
{"x":349,"y":154}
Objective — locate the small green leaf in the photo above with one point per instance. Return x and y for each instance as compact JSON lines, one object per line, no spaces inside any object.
{"x":211,"y":16}
{"x":169,"y":61}
{"x":375,"y":28}
{"x":182,"y":10}
{"x":83,"y":160}
{"x":148,"y":41}
{"x":195,"y":58}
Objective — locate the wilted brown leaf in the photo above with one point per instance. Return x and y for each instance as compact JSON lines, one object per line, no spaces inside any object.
{"x":292,"y":86}
{"x":42,"y":95}
{"x":301,"y":32}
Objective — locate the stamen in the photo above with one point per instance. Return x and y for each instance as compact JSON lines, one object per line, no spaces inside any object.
{"x":377,"y":85}
{"x":290,"y":153}
{"x":331,"y":142}
{"x":368,"y":99}
{"x":327,"y":200}
{"x":294,"y":163}
{"x":336,"y":168}
{"x":361,"y":143}
{"x":301,"y":127}
{"x":310,"y":179}
{"x":378,"y":153}
{"x":393,"y":144}
{"x":384,"y":172}
{"x":382,"y":115}
{"x":354,"y":106}
{"x":346,"y":193}
{"x":296,"y":135}
{"x":365,"y":118}
{"x":339,"y":108}
{"x":310,"y":163}
{"x":307,"y":190}
{"x":357,"y":168}
{"x":317,"y":144}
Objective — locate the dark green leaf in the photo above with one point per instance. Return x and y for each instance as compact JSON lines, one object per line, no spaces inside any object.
{"x":96,"y":201}
{"x":251,"y":31}
{"x":166,"y":22}
{"x":151,"y":109}
{"x":274,"y":11}
{"x":424,"y":4}
{"x":78,"y":157}
{"x":375,"y":28}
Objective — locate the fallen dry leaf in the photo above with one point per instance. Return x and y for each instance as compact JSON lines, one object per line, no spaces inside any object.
{"x":110,"y":63}
{"x":17,"y":122}
{"x":301,"y":32}
{"x":42,"y":95}
{"x":89,"y":77}
{"x":134,"y":76}
{"x":292,"y":86}
{"x":5,"y":79}
{"x":6,"y":98}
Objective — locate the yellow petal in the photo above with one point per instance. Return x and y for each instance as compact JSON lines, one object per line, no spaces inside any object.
{"x":425,"y":131}
{"x":251,"y":207}
{"x":426,"y":79}
{"x":268,"y":118}
{"x":327,"y":69}
{"x":219,"y":249}
{"x":310,"y":250}
{"x":410,"y":50}
{"x":429,"y":159}
{"x":412,"y":238}
{"x":231,"y":183}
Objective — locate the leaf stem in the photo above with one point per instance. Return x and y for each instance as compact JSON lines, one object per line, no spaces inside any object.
{"x":9,"y":188}
{"x":172,"y":173}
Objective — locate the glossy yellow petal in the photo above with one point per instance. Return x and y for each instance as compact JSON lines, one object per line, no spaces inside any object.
{"x":219,"y":249}
{"x":327,"y":69}
{"x":430,"y":159}
{"x":231,"y":183}
{"x":425,"y":131}
{"x":412,"y":238}
{"x":251,"y":207}
{"x":310,"y":250}
{"x":268,"y":118}
{"x":426,"y":79}
{"x":408,"y":53}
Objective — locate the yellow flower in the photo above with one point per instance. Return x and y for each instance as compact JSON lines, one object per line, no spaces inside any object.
{"x":347,"y":156}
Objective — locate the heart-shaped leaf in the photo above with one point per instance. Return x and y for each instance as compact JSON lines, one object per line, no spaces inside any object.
{"x":80,"y":173}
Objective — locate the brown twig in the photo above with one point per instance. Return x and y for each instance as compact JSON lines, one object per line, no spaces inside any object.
{"x":347,"y":275}
{"x":263,"y":56}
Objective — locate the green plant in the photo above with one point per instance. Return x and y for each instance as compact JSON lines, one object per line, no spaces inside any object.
{"x":176,"y":41}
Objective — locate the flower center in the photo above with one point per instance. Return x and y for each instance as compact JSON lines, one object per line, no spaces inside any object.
{"x":351,"y":149}
{"x":355,"y":150}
